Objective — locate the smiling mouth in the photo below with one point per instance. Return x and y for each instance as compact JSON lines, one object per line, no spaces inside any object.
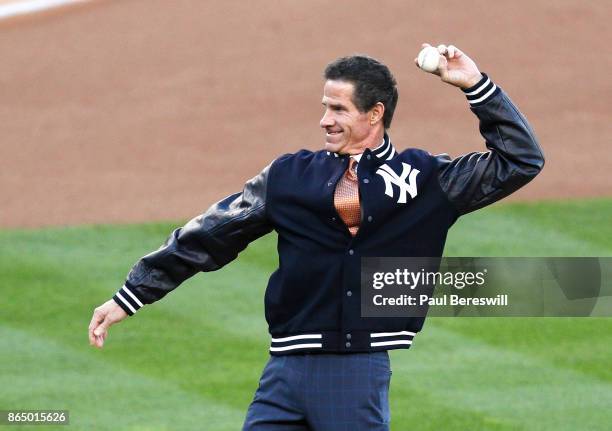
{"x":334,"y":133}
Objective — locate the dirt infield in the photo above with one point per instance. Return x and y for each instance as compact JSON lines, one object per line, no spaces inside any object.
{"x":143,"y":110}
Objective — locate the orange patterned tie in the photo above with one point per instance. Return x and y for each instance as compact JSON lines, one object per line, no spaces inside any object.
{"x":346,"y":198}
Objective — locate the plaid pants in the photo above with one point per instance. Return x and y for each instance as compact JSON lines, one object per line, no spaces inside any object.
{"x":322,"y":392}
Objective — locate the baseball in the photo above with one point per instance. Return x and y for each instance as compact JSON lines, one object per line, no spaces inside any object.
{"x":429,"y":59}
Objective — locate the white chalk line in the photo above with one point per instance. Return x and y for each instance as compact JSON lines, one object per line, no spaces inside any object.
{"x":10,"y":10}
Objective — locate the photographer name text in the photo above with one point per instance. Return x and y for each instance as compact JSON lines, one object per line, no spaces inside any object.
{"x":422,"y":300}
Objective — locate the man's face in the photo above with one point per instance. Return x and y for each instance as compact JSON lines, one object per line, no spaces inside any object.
{"x":346,"y":128}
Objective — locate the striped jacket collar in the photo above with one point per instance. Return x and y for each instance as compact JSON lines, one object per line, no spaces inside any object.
{"x":385,"y":151}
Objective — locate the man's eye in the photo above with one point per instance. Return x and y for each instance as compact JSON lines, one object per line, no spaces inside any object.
{"x":333,"y":108}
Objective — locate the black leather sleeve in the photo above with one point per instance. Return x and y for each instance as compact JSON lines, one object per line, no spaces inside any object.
{"x":205,"y":243}
{"x":514,"y":156}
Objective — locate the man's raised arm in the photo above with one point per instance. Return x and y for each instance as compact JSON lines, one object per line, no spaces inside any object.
{"x":514,"y":157}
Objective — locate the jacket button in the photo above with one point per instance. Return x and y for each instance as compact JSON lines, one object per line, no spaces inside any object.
{"x":349,"y":293}
{"x":333,"y":219}
{"x":369,"y":157}
{"x":351,"y":252}
{"x":348,"y":344}
{"x":329,"y":184}
{"x":348,"y":336}
{"x":365,"y":180}
{"x":369,"y":218}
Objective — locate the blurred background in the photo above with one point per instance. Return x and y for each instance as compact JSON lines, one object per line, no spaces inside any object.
{"x":116,"y":111}
{"x":119,"y":120}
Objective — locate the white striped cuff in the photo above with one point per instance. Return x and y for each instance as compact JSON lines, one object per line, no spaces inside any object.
{"x":482,"y":92}
{"x":127,"y":300}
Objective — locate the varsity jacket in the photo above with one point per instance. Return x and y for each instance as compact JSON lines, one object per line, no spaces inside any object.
{"x":409,"y":200}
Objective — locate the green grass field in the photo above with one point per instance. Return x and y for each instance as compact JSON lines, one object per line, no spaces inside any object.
{"x":192,"y":361}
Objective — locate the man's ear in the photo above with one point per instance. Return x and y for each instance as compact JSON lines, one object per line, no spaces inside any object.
{"x":376,"y":113}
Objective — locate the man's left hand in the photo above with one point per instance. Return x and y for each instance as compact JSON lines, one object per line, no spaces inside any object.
{"x":455,"y":67}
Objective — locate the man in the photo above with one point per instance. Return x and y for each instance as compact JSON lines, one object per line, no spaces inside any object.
{"x":329,"y":367}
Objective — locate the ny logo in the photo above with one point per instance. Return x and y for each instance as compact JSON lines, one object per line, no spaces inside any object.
{"x":405,"y":187}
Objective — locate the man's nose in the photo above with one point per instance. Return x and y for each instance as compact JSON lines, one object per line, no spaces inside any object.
{"x":326,"y":121}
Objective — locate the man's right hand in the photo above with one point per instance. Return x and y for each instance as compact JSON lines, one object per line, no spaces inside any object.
{"x":103,"y":317}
